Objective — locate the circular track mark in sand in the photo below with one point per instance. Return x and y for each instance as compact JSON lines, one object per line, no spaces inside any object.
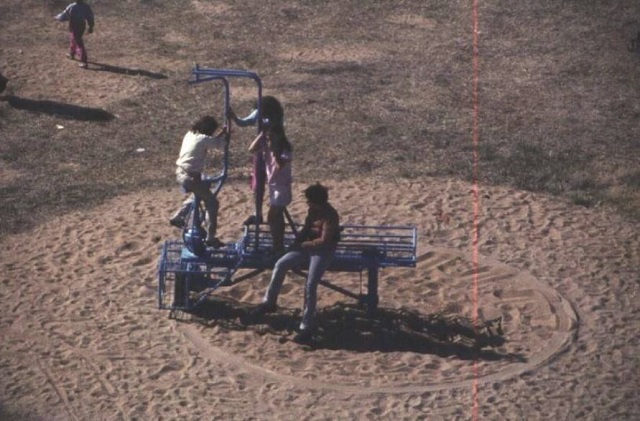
{"x":432,"y":348}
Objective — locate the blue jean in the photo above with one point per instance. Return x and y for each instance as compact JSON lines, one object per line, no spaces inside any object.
{"x":318,"y":261}
{"x":202,"y":192}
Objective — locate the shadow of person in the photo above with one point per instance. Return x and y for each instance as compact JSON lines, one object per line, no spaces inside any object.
{"x":102,"y":67}
{"x":68,"y":111}
{"x":349,"y":327}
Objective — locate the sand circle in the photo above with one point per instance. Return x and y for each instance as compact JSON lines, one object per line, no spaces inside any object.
{"x":97,"y":277}
{"x":421,"y":339}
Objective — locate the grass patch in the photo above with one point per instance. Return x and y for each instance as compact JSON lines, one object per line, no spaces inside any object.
{"x":381,"y":90}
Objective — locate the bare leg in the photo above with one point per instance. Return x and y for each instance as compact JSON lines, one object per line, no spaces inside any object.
{"x":276,"y":225}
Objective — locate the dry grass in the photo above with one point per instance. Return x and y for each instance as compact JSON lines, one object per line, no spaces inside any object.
{"x":379,"y":89}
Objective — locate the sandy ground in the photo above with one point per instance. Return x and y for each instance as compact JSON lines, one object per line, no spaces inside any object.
{"x":83,"y":338}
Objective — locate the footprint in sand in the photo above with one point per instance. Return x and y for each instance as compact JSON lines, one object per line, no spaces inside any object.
{"x":430,"y":336}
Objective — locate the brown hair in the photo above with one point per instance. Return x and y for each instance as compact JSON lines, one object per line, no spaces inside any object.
{"x":205,"y":125}
{"x":317,"y":194}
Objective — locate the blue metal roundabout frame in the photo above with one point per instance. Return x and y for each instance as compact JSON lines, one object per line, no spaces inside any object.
{"x":189,"y":271}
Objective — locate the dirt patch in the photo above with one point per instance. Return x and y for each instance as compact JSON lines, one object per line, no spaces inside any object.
{"x":380,"y":90}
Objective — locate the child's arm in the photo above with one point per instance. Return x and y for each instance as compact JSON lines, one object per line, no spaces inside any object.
{"x":255,"y":145}
{"x":282,"y":160}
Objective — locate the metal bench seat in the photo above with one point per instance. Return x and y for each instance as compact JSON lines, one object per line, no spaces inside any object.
{"x":185,"y":279}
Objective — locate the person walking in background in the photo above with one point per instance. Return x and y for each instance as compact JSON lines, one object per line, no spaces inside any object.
{"x":276,"y":152}
{"x":315,"y":246}
{"x":190,"y":165}
{"x":79,"y":15}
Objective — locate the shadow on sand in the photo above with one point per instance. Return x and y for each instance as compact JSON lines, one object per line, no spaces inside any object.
{"x":348,"y":327}
{"x":102,"y":67}
{"x":74,"y":112}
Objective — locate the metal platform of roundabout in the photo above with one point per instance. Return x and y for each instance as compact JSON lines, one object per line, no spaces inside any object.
{"x":189,"y":272}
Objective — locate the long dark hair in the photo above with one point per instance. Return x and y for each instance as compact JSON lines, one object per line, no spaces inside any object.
{"x":272,"y":111}
{"x":273,"y":114}
{"x":279,"y":141}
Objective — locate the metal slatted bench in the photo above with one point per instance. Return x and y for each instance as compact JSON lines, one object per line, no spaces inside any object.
{"x":185,"y":279}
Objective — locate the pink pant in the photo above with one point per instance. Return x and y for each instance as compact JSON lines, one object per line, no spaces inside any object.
{"x":76,"y":45}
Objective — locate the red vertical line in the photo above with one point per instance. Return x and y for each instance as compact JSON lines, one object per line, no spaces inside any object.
{"x":476,"y":202}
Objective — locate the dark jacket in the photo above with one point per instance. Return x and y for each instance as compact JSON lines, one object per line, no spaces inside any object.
{"x":321,"y":229}
{"x":78,"y":14}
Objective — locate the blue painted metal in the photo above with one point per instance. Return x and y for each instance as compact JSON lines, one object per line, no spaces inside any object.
{"x":186,"y":279}
{"x":204,"y":74}
{"x":193,"y":235}
{"x":188,"y":271}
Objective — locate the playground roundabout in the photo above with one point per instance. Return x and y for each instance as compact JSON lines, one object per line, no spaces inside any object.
{"x":489,"y":320}
{"x":83,"y":320}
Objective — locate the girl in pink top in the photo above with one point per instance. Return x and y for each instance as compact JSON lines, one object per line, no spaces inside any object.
{"x":273,"y":144}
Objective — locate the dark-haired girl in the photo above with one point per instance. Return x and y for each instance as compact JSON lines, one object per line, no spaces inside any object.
{"x":277,"y":154}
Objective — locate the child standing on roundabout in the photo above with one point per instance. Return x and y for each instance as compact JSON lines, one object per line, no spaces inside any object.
{"x":277,"y":154}
{"x":272,"y":115}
